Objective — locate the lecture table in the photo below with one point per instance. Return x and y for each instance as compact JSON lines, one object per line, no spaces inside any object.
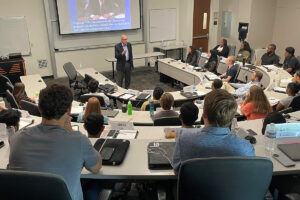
{"x":135,"y":57}
{"x":171,"y":47}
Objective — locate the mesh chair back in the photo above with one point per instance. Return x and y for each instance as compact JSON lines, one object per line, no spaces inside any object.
{"x":156,"y":105}
{"x":237,"y":73}
{"x":11,"y":100}
{"x":232,"y":49}
{"x":198,"y":57}
{"x":9,"y":86}
{"x":32,"y":185}
{"x":30,"y":107}
{"x":231,"y":178}
{"x":202,"y":61}
{"x":167,"y":121}
{"x":70,"y":71}
{"x":3,"y":81}
{"x":85,"y":98}
{"x":252,"y":57}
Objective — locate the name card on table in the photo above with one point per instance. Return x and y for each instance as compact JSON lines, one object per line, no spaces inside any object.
{"x":133,"y":92}
{"x":287,"y":130}
{"x":121,"y":125}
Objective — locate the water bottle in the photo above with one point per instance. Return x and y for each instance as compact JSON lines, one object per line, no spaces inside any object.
{"x":270,"y":138}
{"x":200,"y":50}
{"x":151,"y":103}
{"x":129,"y":108}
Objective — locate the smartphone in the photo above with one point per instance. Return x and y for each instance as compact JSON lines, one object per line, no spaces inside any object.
{"x":284,"y":160}
{"x":107,"y":152}
{"x":251,"y":132}
{"x":112,"y":133}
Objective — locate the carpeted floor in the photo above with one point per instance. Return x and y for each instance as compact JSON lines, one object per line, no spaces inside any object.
{"x":142,"y":78}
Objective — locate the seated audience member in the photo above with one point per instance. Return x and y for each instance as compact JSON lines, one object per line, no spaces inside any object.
{"x":273,"y":117}
{"x":166,"y":102}
{"x":243,"y":89}
{"x":57,"y":148}
{"x":222,"y":49}
{"x":291,"y":63}
{"x":158,"y":91}
{"x":291,"y":90}
{"x":93,"y":106}
{"x":256,"y":104}
{"x":211,"y":64}
{"x":244,"y":52}
{"x":215,"y":139}
{"x":19,"y":93}
{"x":93,"y":87}
{"x":192,"y":56}
{"x":10,"y":117}
{"x":269,"y":58}
{"x":188,"y":115}
{"x":231,"y":71}
{"x":93,"y":124}
{"x":216,"y":84}
{"x":296,"y":77}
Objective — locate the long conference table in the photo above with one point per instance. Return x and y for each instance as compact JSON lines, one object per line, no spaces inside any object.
{"x":135,"y":165}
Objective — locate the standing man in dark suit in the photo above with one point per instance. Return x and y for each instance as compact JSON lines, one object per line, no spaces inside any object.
{"x":123,"y":54}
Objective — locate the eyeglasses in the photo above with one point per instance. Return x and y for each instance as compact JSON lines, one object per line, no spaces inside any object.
{"x":124,"y":39}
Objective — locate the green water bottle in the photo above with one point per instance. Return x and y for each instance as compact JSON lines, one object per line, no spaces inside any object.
{"x":129,"y":108}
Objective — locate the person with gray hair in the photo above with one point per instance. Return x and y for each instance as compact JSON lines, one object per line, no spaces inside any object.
{"x":215,"y":139}
{"x":269,"y":58}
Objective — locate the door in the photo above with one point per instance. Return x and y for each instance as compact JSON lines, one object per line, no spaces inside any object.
{"x":201,"y":24}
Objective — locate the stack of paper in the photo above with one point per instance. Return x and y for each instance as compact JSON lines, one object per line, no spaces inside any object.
{"x":279,"y":89}
{"x":127,"y":134}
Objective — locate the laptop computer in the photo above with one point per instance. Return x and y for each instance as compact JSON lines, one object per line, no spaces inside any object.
{"x":291,"y":150}
{"x":110,"y":113}
{"x":160,"y":155}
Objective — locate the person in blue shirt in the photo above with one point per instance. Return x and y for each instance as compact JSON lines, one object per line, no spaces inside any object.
{"x":243,"y":89}
{"x":215,"y":139}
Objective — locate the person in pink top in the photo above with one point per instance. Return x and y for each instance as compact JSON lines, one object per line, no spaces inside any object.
{"x":256,"y":104}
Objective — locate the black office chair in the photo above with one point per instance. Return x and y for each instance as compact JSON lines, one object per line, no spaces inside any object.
{"x":217,"y":64}
{"x":3,"y":86}
{"x":11,"y":100}
{"x":30,"y":107}
{"x":85,"y":98}
{"x":32,"y":185}
{"x":237,"y":73}
{"x":197,"y":57}
{"x":231,"y":178}
{"x":156,"y":105}
{"x":73,"y":78}
{"x":9,"y":86}
{"x":295,"y":104}
{"x":167,"y":121}
{"x":231,"y":50}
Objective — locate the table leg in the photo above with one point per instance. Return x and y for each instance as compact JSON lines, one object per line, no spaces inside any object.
{"x":113,"y":69}
{"x":156,"y":64}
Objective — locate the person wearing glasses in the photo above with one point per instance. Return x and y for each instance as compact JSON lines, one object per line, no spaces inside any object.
{"x":123,"y":54}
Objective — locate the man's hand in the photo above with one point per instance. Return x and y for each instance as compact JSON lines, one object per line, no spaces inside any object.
{"x":123,"y":52}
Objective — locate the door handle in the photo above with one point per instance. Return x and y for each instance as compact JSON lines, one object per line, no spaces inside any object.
{"x":201,"y":36}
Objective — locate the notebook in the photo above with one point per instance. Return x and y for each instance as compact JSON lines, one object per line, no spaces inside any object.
{"x":291,"y":150}
{"x":160,"y":155}
{"x":211,"y":77}
{"x":143,"y":96}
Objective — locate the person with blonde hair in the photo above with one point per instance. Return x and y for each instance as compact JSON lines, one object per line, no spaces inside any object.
{"x":93,"y":106}
{"x":166,"y":102}
{"x":19,"y":93}
{"x":231,"y":72}
{"x":256,"y":104}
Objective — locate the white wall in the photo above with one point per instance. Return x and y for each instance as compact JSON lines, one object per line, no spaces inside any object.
{"x":214,"y":30}
{"x":286,"y":28}
{"x":262,"y":19}
{"x":33,"y":10}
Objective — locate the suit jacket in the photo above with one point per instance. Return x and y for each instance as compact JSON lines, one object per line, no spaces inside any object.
{"x":224,"y":52}
{"x":121,"y":59}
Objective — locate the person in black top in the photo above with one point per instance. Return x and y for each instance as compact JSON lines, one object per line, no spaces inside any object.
{"x":222,"y":48}
{"x":192,"y":56}
{"x":231,"y":71}
{"x":291,"y":63}
{"x":269,"y":58}
{"x":212,"y":61}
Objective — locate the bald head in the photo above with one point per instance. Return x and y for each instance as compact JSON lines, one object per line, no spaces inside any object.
{"x":124,"y":39}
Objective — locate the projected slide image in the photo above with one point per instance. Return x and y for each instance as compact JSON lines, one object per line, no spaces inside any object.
{"x":100,"y":9}
{"x":99,"y":15}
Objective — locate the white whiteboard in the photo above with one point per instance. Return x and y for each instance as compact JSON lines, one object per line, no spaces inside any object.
{"x":14,"y":36}
{"x":163,"y":24}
